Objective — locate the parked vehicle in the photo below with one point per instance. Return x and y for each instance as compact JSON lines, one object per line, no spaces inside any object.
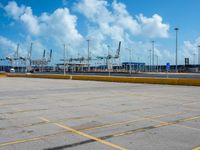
{"x":12,"y":70}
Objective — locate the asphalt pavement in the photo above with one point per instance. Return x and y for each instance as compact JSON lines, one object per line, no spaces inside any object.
{"x":57,"y":114}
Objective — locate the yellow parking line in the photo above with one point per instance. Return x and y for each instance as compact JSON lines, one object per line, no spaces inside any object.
{"x":192,"y":118}
{"x":44,"y":119}
{"x":102,"y":126}
{"x":131,"y":121}
{"x":163,"y":123}
{"x":32,"y":139}
{"x":92,"y":128}
{"x":86,"y":135}
{"x":19,"y":141}
{"x":197,"y":148}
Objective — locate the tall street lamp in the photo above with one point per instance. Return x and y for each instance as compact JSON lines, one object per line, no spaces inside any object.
{"x":153,"y":42}
{"x":130,"y":60}
{"x":194,"y":55}
{"x":199,"y":55}
{"x":157,"y":63}
{"x":150,"y":60}
{"x":176,"y":29}
{"x":64,"y":60}
{"x":88,"y":41}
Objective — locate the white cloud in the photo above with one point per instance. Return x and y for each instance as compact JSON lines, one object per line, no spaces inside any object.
{"x":114,"y":23}
{"x":117,"y":16}
{"x":60,"y":23}
{"x":9,"y":47}
{"x":30,"y":21}
{"x":94,"y":9}
{"x":23,"y":14}
{"x":154,"y":26}
{"x":189,"y":49}
{"x":14,"y":10}
{"x":107,"y":24}
{"x":124,"y":19}
{"x":6,"y":45}
{"x":49,"y":29}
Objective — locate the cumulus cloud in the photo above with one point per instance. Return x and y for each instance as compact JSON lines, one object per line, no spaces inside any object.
{"x":6,"y":45}
{"x":124,"y":19}
{"x":30,"y":21}
{"x":190,"y":49}
{"x":13,"y":10}
{"x":23,"y":14}
{"x":113,"y":22}
{"x":118,"y":17}
{"x":154,"y":26}
{"x":9,"y":47}
{"x":60,"y":23}
{"x":108,"y":23}
{"x":53,"y":29}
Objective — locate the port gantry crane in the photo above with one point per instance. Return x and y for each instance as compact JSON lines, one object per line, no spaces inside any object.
{"x":108,"y":57}
{"x":14,"y":58}
{"x":24,"y":60}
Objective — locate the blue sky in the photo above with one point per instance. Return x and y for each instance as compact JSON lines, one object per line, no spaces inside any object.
{"x":50,"y":24}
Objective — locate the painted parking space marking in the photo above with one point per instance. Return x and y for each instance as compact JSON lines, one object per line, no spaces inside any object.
{"x":45,"y":121}
{"x":196,"y":148}
{"x":97,"y":127}
{"x":86,"y":135}
{"x":163,"y":123}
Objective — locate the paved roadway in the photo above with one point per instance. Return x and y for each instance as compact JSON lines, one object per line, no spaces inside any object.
{"x":147,"y":74}
{"x":154,"y":75}
{"x":87,"y":115}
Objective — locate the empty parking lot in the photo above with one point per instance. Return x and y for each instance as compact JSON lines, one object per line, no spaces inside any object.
{"x":69,"y":114}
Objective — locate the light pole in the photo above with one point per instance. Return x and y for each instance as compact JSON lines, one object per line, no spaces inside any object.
{"x":64,"y":60}
{"x":153,"y":42}
{"x":88,"y":41}
{"x":29,"y":58}
{"x":199,"y":55}
{"x":108,"y":60}
{"x":17,"y":54}
{"x":176,"y":61}
{"x":130,"y":60}
{"x":194,"y":55}
{"x":157,"y":63}
{"x":150,"y":60}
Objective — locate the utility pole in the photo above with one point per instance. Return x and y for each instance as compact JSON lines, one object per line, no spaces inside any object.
{"x":108,"y":60}
{"x":150,"y":60}
{"x":194,"y":55}
{"x":176,"y":61}
{"x":64,"y":60}
{"x":88,"y":41}
{"x":17,"y":52}
{"x":199,"y":55}
{"x":17,"y":55}
{"x":157,"y":63}
{"x":153,"y":42}
{"x":130,"y":60}
{"x":29,"y":57}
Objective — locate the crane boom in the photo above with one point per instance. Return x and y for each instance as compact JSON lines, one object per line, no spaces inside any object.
{"x":118,"y":50}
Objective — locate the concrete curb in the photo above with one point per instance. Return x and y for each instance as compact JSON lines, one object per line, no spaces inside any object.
{"x":53,"y":76}
{"x":2,"y":75}
{"x":169,"y":81}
